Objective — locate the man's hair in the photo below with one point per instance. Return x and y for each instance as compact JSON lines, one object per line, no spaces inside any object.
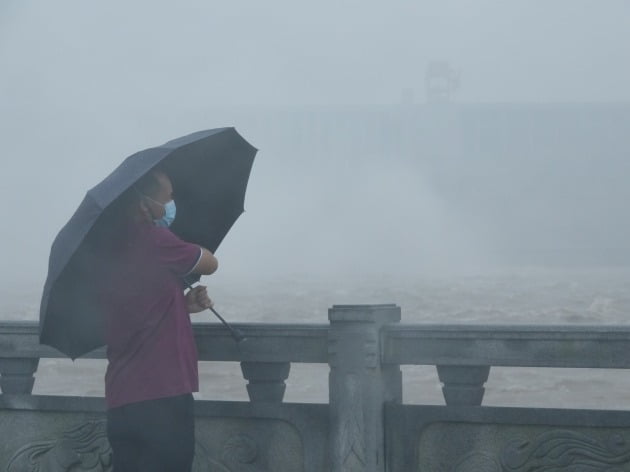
{"x":149,"y":184}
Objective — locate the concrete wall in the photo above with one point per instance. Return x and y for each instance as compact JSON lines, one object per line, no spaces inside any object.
{"x":43,"y":433}
{"x":482,"y":439}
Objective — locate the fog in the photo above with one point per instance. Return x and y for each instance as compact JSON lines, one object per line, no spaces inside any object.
{"x":359,"y":171}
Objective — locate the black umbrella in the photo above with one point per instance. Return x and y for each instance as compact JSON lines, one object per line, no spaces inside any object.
{"x":209,"y":171}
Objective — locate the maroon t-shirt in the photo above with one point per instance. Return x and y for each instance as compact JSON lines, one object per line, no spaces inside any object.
{"x":150,"y":345}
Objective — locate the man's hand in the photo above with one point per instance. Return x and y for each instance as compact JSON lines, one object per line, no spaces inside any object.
{"x":197,"y":299}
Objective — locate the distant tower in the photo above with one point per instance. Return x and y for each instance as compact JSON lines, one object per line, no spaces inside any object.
{"x":441,"y":80}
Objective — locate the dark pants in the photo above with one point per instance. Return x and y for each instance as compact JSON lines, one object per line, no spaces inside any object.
{"x":153,"y":435}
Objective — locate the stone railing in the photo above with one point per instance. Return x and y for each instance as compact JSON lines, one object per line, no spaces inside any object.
{"x":364,"y":426}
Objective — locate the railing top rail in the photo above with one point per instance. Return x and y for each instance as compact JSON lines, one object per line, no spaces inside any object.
{"x":592,"y":346}
{"x":507,"y":330}
{"x":587,"y":346}
{"x":265,"y":342}
{"x":413,"y":329}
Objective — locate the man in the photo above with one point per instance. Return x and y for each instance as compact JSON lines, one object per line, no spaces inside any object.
{"x":152,"y":368}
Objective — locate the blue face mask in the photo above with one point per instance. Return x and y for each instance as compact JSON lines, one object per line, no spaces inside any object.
{"x":170,"y":211}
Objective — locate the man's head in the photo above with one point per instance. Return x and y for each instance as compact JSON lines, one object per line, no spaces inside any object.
{"x":155,"y":198}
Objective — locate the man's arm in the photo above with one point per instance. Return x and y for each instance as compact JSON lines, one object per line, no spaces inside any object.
{"x":207,"y":263}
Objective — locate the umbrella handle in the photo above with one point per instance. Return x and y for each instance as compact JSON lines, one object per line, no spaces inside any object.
{"x":236,"y":333}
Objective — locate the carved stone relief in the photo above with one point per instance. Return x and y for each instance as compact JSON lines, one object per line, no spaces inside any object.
{"x":241,"y":453}
{"x":248,"y":445}
{"x":86,"y":449}
{"x":566,"y":450}
{"x":477,"y":462}
{"x":552,"y":451}
{"x":351,"y":434}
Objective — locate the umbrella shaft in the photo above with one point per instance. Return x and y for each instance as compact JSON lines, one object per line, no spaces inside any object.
{"x":236,"y":334}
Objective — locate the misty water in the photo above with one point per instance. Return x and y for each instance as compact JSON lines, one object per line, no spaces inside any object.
{"x":502,"y":201}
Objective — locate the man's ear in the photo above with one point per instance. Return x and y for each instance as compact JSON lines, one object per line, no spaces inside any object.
{"x":144,"y":209}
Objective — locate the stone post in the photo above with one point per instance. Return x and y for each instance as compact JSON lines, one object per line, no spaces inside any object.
{"x":359,"y":385}
{"x":16,"y":374}
{"x":463,"y":385}
{"x":266,"y":380}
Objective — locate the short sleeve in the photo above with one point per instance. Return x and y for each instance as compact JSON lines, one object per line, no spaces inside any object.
{"x":180,"y":257}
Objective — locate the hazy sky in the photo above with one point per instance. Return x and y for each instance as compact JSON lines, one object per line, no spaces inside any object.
{"x":285,"y":51}
{"x":78,"y":77}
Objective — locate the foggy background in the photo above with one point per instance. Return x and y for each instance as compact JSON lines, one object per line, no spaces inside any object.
{"x":359,"y":172}
{"x":501,"y":201}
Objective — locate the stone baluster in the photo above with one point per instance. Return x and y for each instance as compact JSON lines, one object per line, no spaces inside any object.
{"x":359,"y":386}
{"x":16,"y":374}
{"x":463,"y":385}
{"x":266,"y":380}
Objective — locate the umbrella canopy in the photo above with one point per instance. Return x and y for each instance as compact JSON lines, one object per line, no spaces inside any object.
{"x":209,"y":171}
